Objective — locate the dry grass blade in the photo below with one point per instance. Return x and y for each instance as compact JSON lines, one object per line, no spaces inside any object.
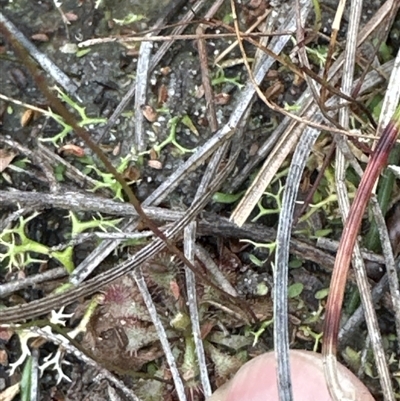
{"x":58,"y":75}
{"x":332,"y":43}
{"x":189,"y":238}
{"x":281,"y":336}
{"x":142,"y":81}
{"x":190,"y":230}
{"x":249,"y":200}
{"x":162,"y":335}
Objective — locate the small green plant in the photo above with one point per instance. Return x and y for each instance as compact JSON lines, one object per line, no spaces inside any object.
{"x":129,"y":19}
{"x":221,"y":197}
{"x":66,"y":129}
{"x":171,"y":139}
{"x":107,"y":180}
{"x":270,"y":197}
{"x":264,"y":325}
{"x":221,"y":78}
{"x":19,"y":247}
{"x":307,"y":332}
{"x":318,"y":54}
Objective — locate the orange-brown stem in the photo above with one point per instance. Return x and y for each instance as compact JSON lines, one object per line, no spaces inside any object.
{"x":374,"y":167}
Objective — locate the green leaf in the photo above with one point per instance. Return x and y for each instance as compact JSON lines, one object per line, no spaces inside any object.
{"x":82,"y":52}
{"x":255,"y":260}
{"x":321,"y":294}
{"x":295,"y":290}
{"x":322,"y":233}
{"x":262,"y":289}
{"x":221,"y":197}
{"x":295,"y":263}
{"x":26,"y":380}
{"x":59,"y":171}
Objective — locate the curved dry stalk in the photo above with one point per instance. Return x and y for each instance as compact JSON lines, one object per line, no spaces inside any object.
{"x":330,"y":361}
{"x":335,"y":299}
{"x":334,"y":385}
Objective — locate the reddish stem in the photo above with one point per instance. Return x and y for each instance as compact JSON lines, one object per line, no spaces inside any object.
{"x":374,"y":167}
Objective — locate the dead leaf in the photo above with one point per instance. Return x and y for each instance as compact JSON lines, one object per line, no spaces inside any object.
{"x":26,"y":117}
{"x":165,"y":70}
{"x":149,"y":113}
{"x":73,"y":150}
{"x":40,"y":37}
{"x":162,"y":94}
{"x":153,"y":154}
{"x":9,"y":393}
{"x":132,"y":173}
{"x":71,"y":17}
{"x":6,"y":157}
{"x":3,"y":357}
{"x":156,"y":164}
{"x":117,"y":149}
{"x":222,"y":98}
{"x":173,"y":285}
{"x":199,"y":93}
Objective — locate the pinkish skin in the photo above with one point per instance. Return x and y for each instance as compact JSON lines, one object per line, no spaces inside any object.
{"x":256,"y":380}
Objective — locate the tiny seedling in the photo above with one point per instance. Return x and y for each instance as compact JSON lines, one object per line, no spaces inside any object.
{"x":221,"y":79}
{"x":171,"y":139}
{"x":264,"y":325}
{"x":19,"y":247}
{"x":83,"y":121}
{"x":277,"y":198}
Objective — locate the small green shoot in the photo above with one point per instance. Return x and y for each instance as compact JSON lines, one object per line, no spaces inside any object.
{"x":173,"y":124}
{"x":261,"y":330}
{"x":256,"y":261}
{"x":129,"y":19}
{"x":66,"y":129}
{"x":107,"y":180}
{"x":220,"y":197}
{"x":270,"y":196}
{"x":19,"y":247}
{"x":307,"y":332}
{"x":221,"y":79}
{"x":187,"y":122}
{"x":26,"y":380}
{"x":292,"y":107}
